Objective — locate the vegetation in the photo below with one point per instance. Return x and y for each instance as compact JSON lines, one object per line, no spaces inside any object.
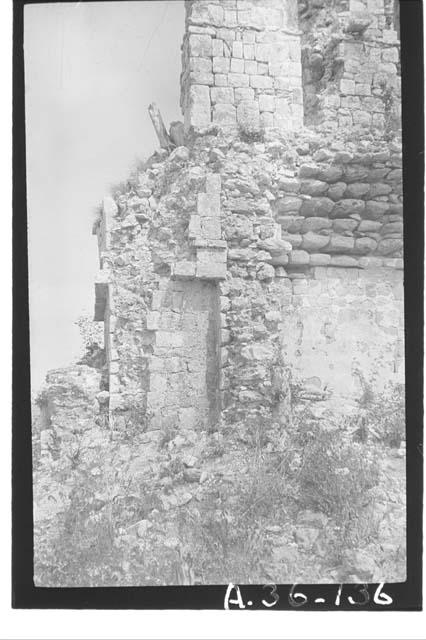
{"x":244,"y":526}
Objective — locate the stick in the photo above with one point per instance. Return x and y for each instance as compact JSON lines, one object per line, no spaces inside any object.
{"x":160,"y":129}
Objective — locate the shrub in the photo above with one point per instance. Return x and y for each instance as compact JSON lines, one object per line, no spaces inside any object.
{"x":336,"y":476}
{"x":250,"y":135}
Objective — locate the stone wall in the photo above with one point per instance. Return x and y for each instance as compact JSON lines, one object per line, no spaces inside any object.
{"x":224,"y":262}
{"x":241,"y":65}
{"x":350,"y":60}
{"x":345,"y":330}
{"x":271,"y":239}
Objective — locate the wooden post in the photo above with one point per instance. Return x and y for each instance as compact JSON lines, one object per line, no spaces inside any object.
{"x":160,"y":129}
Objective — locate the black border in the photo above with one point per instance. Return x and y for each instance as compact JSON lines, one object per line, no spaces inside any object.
{"x":406,"y":596}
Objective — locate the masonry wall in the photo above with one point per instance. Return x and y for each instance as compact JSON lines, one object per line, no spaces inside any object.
{"x":241,"y":65}
{"x":345,"y":330}
{"x":243,"y":262}
{"x":350,"y":62}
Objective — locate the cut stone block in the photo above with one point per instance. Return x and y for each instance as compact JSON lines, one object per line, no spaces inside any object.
{"x":198,"y":112}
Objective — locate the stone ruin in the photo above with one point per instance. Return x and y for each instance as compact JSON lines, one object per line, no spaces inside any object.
{"x":268,"y":249}
{"x":250,"y":271}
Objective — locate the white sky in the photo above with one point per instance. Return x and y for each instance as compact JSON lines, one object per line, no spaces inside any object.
{"x":91,"y":69}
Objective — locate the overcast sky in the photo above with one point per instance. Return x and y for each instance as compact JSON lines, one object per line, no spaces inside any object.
{"x":91,"y":69}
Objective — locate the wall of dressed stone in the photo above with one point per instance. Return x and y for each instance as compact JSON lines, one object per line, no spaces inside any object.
{"x":345,"y":330}
{"x":241,"y":65}
{"x":350,"y":60}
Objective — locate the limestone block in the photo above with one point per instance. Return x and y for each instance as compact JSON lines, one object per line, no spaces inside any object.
{"x":250,"y":67}
{"x":320,"y":206}
{"x":370,"y":262}
{"x":230,"y":18}
{"x":217,"y":47}
{"x":299,"y":257}
{"x":316,"y":224}
{"x":249,"y":36}
{"x":379,"y":189}
{"x":313,"y":241}
{"x":389,"y":245}
{"x":221,"y":64}
{"x":241,"y":255}
{"x":393,"y":228}
{"x":200,"y":64}
{"x":210,"y":228}
{"x":213,"y":186}
{"x":263,"y":69}
{"x":199,"y":107}
{"x":362,"y":118}
{"x":237,"y":49}
{"x":220,"y":80}
{"x":369,"y":226}
{"x":261,"y":82}
{"x":340,"y":244}
{"x":289,"y":204}
{"x":210,"y":255}
{"x":343,"y":261}
{"x":238,"y":80}
{"x":357,"y":189}
{"x":211,"y":271}
{"x":319,"y":259}
{"x":248,"y":114}
{"x":201,"y":77}
{"x":222,"y":95}
{"x":210,"y":31}
{"x":390,"y":55}
{"x":347,"y":87}
{"x":249,"y":51}
{"x":266,"y":102}
{"x":291,"y":185}
{"x":243,"y":93}
{"x":200,"y":45}
{"x":308,"y":171}
{"x":275,"y":246}
{"x":345,"y":226}
{"x":375,"y":210}
{"x":346,"y":208}
{"x":208,"y":206}
{"x":263,"y":52}
{"x":152,"y":320}
{"x":224,"y":115}
{"x":365,"y":245}
{"x":362,"y":89}
{"x":237,"y":65}
{"x":194,"y":228}
{"x":207,"y":13}
{"x":313,"y":187}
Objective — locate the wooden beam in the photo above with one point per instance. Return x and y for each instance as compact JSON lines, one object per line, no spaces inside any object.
{"x":160,"y":129}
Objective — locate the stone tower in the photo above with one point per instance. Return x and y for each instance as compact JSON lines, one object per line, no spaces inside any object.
{"x":242,"y":65}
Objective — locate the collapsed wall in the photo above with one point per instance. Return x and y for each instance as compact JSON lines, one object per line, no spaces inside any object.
{"x":261,"y":254}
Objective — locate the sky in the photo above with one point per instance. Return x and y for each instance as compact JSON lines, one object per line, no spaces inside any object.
{"x":91,"y":70}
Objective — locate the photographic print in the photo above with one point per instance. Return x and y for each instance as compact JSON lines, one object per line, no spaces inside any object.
{"x":216,"y":292}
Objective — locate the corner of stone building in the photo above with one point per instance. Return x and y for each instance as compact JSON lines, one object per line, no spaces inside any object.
{"x":226,"y":263}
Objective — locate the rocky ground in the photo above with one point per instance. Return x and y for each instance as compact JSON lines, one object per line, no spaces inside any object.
{"x":209,"y":508}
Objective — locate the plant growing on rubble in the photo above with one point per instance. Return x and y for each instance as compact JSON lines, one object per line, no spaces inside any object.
{"x":251,"y":134}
